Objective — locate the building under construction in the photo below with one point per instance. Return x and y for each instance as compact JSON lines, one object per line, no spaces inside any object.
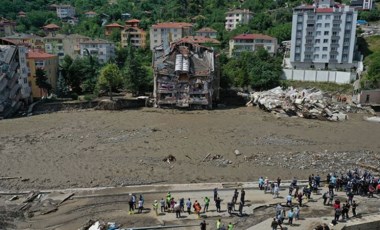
{"x":185,"y":76}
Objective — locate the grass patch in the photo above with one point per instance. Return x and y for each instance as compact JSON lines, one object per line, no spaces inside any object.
{"x":324,"y":86}
{"x":370,"y":47}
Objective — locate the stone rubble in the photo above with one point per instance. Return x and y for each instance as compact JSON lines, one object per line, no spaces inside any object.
{"x":307,"y":103}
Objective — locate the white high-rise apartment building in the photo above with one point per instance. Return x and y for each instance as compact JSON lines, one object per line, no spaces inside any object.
{"x":64,"y":11}
{"x":238,"y":16}
{"x":323,"y":36}
{"x":166,"y":32}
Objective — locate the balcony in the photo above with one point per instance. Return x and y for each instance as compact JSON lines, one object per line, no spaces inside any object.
{"x":333,"y":61}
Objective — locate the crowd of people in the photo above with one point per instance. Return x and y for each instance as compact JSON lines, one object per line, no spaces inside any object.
{"x":352,"y":183}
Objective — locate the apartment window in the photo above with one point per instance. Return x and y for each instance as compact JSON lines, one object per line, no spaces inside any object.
{"x":307,"y":56}
{"x":349,"y":17}
{"x":324,"y":56}
{"x":316,"y":56}
{"x":336,"y":25}
{"x":317,"y":41}
{"x":345,"y":48}
{"x":308,"y":33}
{"x":155,"y":30}
{"x":175,"y":30}
{"x":297,"y":57}
{"x":337,"y":17}
{"x":237,"y":20}
{"x":346,"y":40}
{"x":319,"y":25}
{"x":328,"y":17}
{"x":324,"y":48}
{"x":299,"y":19}
{"x":327,"y":25}
{"x":298,"y":49}
{"x":155,"y":41}
{"x":309,"y":49}
{"x":345,"y":57}
{"x":318,"y":33}
{"x":332,"y":56}
{"x":299,"y":33}
{"x":310,"y":17}
{"x":333,"y":41}
{"x":348,"y":24}
{"x":269,"y":47}
{"x":316,"y":49}
{"x":334,"y":33}
{"x":326,"y":33}
{"x":333,"y":48}
{"x":237,"y":15}
{"x":325,"y":40}
{"x":298,"y":41}
{"x":319,"y":17}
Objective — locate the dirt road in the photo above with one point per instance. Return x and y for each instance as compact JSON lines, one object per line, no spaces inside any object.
{"x":101,"y":148}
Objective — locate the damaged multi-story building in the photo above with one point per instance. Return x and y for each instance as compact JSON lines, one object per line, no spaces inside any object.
{"x":185,"y":75}
{"x":14,"y":86}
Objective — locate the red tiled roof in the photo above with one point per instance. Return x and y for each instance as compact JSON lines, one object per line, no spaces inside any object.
{"x":206,"y":29}
{"x":253,"y":36}
{"x":132,"y":21}
{"x":172,"y":25}
{"x":90,"y":13}
{"x":324,"y":10}
{"x":199,"y":40}
{"x":51,"y":26}
{"x":32,"y":54}
{"x":114,"y":25}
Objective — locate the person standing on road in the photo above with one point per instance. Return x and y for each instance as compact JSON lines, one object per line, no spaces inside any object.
{"x":230,"y":226}
{"x":217,"y":204}
{"x":155,"y":207}
{"x":354,"y":205}
{"x":177,"y":209}
{"x":140,"y":206}
{"x":274,"y":224}
{"x":188,"y":206}
{"x":207,"y":202}
{"x":215,"y":194}
{"x":290,"y":216}
{"x":242,"y":196}
{"x":131,"y":206}
{"x":162,"y":203}
{"x":203,"y":225}
{"x":218,"y":224}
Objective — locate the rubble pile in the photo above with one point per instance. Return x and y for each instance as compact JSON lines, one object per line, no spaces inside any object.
{"x":307,"y":103}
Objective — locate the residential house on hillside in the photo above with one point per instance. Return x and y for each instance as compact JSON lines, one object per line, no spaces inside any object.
{"x":207,"y":32}
{"x":236,"y":17}
{"x":90,"y":14}
{"x":251,"y":42}
{"x":29,"y":40}
{"x":54,"y":45}
{"x":71,"y":44}
{"x":14,"y":87}
{"x":47,"y":62}
{"x":166,"y":32}
{"x":200,"y":40}
{"x":186,"y":76}
{"x":21,"y":14}
{"x":362,"y":4}
{"x":7,"y":27}
{"x":103,"y":50}
{"x":64,"y":11}
{"x":323,"y":36}
{"x":133,"y":35}
{"x":112,"y":27}
{"x":51,"y":28}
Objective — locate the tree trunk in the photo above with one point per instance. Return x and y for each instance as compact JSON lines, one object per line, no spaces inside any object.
{"x":110,"y":92}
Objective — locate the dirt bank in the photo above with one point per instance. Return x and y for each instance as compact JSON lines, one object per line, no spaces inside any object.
{"x":101,"y":148}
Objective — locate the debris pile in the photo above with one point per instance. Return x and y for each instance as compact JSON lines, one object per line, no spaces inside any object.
{"x":217,"y":159}
{"x":307,"y":103}
{"x":42,"y":204}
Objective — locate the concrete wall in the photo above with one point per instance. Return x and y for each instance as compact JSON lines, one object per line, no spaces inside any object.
{"x":318,"y":76}
{"x":374,"y":97}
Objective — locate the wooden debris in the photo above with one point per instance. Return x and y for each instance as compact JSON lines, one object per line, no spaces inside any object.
{"x":31,"y":196}
{"x":206,"y":157}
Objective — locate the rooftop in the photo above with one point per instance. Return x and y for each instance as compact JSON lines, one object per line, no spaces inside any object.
{"x":132,"y":21}
{"x":37,"y":54}
{"x":253,"y":36}
{"x":90,"y":13}
{"x":51,"y":26}
{"x":172,"y":25}
{"x":207,"y":29}
{"x":239,"y":11}
{"x":114,"y":25}
{"x":96,"y":41}
{"x":199,"y":40}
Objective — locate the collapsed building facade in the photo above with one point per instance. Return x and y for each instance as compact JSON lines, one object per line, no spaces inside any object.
{"x":14,"y":86}
{"x":185,"y":76}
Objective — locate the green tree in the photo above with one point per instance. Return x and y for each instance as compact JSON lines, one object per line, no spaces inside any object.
{"x":136,"y":76}
{"x":110,"y":78}
{"x":62,"y":88}
{"x":42,"y":81}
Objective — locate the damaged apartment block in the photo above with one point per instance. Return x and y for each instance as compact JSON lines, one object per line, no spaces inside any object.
{"x":185,"y":76}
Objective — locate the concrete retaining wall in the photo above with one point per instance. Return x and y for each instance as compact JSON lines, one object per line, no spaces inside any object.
{"x":318,"y":76}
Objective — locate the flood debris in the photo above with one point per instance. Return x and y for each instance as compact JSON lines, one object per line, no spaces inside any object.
{"x":306,"y":103}
{"x":170,"y":158}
